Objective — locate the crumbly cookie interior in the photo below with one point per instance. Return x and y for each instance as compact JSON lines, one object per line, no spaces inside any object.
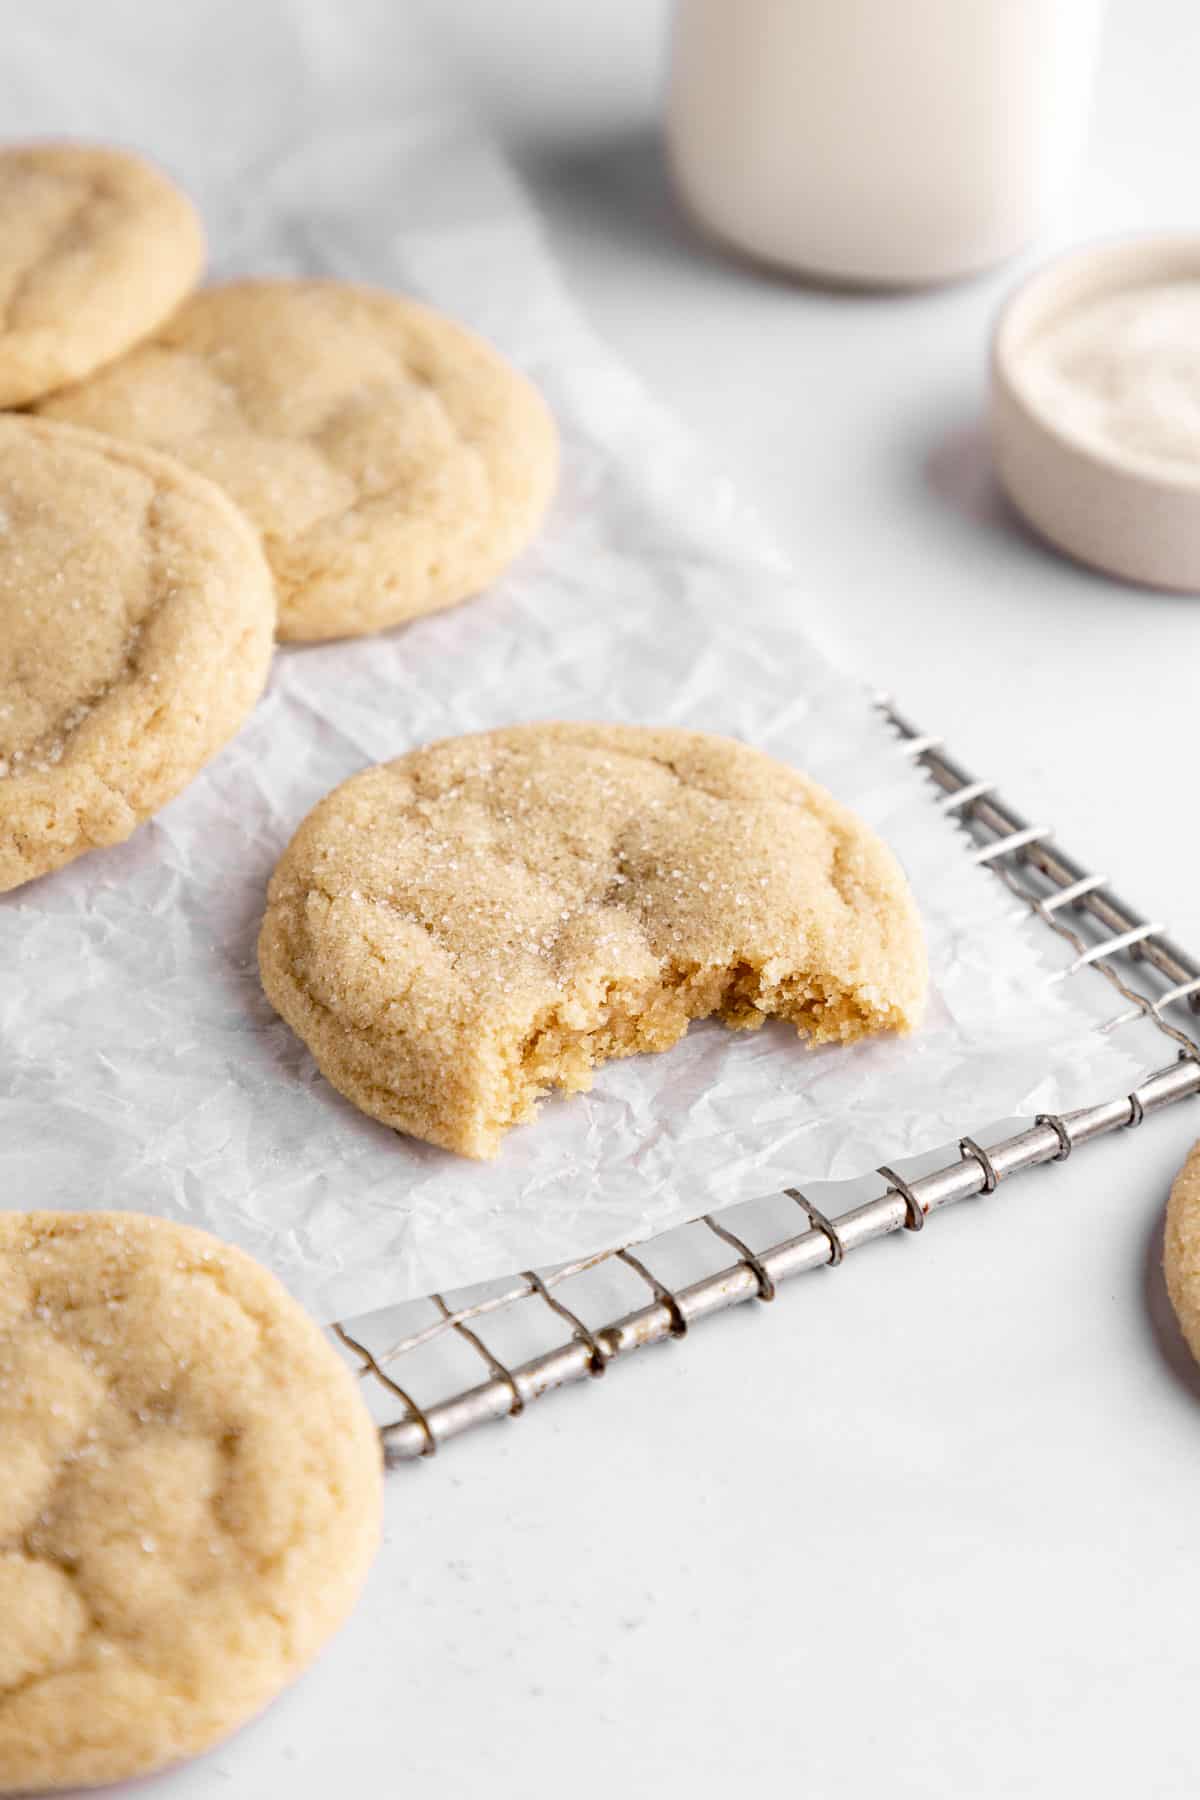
{"x":560,"y":1052}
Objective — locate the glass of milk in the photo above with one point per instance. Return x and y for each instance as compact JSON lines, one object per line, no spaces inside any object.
{"x":889,"y":142}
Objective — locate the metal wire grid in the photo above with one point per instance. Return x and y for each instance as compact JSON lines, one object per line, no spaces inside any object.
{"x":1105,"y":934}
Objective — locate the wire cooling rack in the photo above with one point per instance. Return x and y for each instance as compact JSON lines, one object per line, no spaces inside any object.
{"x":574,"y":1320}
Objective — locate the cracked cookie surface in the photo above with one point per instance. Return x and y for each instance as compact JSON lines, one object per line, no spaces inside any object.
{"x":96,"y":248}
{"x":393,"y":462}
{"x":136,"y":628}
{"x":1181,"y":1249}
{"x":458,"y":932}
{"x":190,"y":1500}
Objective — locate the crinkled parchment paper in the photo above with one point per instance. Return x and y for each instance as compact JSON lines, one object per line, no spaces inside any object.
{"x":141,"y":1064}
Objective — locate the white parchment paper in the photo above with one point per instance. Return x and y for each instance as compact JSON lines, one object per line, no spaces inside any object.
{"x":142,"y":1066}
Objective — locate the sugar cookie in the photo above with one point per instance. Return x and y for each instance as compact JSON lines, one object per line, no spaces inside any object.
{"x":97,"y":247}
{"x":393,"y":462}
{"x":1181,"y":1249}
{"x":457,"y":932}
{"x":190,"y":1498}
{"x":136,"y":627}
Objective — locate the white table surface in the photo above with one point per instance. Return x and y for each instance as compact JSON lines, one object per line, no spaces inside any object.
{"x":929,"y":1526}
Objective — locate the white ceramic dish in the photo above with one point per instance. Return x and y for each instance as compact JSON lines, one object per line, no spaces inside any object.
{"x":1121,"y":511}
{"x":878,"y":142}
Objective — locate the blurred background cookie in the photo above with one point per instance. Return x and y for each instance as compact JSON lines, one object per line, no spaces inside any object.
{"x":394,"y":462}
{"x":1181,"y":1249}
{"x":96,"y":248}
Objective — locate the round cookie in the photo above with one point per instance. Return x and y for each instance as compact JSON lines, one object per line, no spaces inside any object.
{"x":191,"y":1494}
{"x":136,"y":628}
{"x":1181,"y":1249}
{"x":97,"y":247}
{"x":457,"y":932}
{"x":393,"y":462}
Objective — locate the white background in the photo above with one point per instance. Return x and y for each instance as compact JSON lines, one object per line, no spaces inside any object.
{"x":929,"y":1526}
